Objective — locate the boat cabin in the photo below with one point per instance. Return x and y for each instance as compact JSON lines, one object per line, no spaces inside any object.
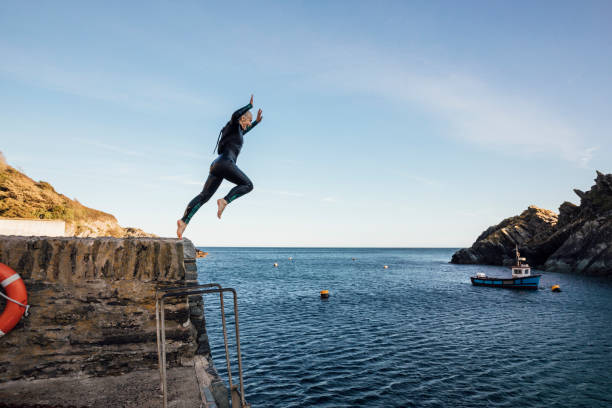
{"x":520,"y":270}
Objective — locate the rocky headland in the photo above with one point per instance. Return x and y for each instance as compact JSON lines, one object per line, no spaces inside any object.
{"x":21,"y":197}
{"x":577,"y":240}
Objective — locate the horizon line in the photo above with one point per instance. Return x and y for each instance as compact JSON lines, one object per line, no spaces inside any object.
{"x":327,"y":247}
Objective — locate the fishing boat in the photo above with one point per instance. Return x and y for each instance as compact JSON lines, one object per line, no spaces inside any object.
{"x":521,"y":277}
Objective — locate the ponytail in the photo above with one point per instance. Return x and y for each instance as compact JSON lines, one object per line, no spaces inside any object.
{"x":220,"y":138}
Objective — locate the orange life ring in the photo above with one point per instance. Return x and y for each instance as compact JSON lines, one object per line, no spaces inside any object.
{"x":16,"y":299}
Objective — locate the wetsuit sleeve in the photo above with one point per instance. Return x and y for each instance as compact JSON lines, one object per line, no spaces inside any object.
{"x":251,"y":126}
{"x":236,"y":115}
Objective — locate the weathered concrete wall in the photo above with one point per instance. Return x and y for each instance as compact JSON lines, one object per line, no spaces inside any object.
{"x":47,"y":228}
{"x":93,"y":306}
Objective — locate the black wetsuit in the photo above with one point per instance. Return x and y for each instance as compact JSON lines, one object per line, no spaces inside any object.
{"x":224,"y":166}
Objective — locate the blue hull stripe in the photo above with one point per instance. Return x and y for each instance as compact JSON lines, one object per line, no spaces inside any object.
{"x":530,"y":282}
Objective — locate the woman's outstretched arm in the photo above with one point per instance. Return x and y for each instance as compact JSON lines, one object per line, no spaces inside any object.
{"x":236,"y":115}
{"x":255,"y":122}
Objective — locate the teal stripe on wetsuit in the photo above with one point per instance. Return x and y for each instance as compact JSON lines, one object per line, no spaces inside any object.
{"x":251,"y":126}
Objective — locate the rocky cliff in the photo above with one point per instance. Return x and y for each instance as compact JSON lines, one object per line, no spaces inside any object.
{"x":577,"y":240}
{"x":22,"y":197}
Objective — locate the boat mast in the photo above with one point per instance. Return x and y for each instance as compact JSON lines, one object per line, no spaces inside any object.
{"x":518,"y":255}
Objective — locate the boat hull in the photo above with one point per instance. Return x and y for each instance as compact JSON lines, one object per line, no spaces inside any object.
{"x":529,"y":282}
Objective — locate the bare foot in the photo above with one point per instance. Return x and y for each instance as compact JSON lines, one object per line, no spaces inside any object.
{"x":180,"y":228}
{"x":221,"y":203}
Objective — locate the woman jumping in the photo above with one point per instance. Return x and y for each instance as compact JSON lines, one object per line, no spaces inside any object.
{"x":224,"y":167}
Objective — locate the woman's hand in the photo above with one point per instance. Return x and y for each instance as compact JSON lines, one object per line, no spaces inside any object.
{"x":259,"y":117}
{"x":251,"y":99}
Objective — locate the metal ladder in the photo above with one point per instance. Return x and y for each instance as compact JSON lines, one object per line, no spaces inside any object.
{"x":161,"y":294}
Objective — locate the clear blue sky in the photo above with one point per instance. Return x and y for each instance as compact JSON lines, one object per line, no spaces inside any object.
{"x":401,"y":123}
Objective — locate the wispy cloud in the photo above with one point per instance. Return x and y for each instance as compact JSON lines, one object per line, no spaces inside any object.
{"x":586,"y":156}
{"x":422,"y":180}
{"x":193,"y":155}
{"x":474,"y":110}
{"x":140,"y":92}
{"x":110,"y":148}
{"x":182,"y":179}
{"x":281,"y":192}
{"x":469,"y":214}
{"x":329,"y":200}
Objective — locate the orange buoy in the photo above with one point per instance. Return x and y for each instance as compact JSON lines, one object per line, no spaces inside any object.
{"x":324,"y":294}
{"x":16,"y":299}
{"x":556,"y":288}
{"x":386,"y":266}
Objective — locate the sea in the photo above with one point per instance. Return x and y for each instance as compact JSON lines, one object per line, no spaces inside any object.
{"x":414,"y":334}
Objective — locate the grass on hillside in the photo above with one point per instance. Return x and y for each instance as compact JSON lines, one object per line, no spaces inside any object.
{"x":22,"y":197}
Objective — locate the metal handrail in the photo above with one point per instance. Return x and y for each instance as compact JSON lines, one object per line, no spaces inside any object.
{"x":182,"y":288}
{"x":161,"y":333}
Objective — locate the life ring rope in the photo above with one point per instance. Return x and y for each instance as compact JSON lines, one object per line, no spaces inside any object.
{"x":27,"y":307}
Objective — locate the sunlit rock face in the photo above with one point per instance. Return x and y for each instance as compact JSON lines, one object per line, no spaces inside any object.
{"x":496,"y":245}
{"x":578,"y":240}
{"x":23,"y":198}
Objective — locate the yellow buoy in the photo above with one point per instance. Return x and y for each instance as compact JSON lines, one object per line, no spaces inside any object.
{"x":275,"y":264}
{"x":386,"y":266}
{"x":324,"y":294}
{"x":556,"y":288}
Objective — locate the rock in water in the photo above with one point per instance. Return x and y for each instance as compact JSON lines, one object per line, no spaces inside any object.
{"x":496,"y":245}
{"x":578,"y":240}
{"x":588,"y":246}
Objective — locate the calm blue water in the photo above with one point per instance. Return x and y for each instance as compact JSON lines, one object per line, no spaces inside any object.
{"x":416,"y":334}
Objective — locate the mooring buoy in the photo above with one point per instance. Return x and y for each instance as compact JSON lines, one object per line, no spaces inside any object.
{"x":386,"y":266}
{"x":324,"y":294}
{"x":275,"y":265}
{"x":556,"y":288}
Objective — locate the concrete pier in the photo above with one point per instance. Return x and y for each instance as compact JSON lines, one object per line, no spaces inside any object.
{"x":92,"y":324}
